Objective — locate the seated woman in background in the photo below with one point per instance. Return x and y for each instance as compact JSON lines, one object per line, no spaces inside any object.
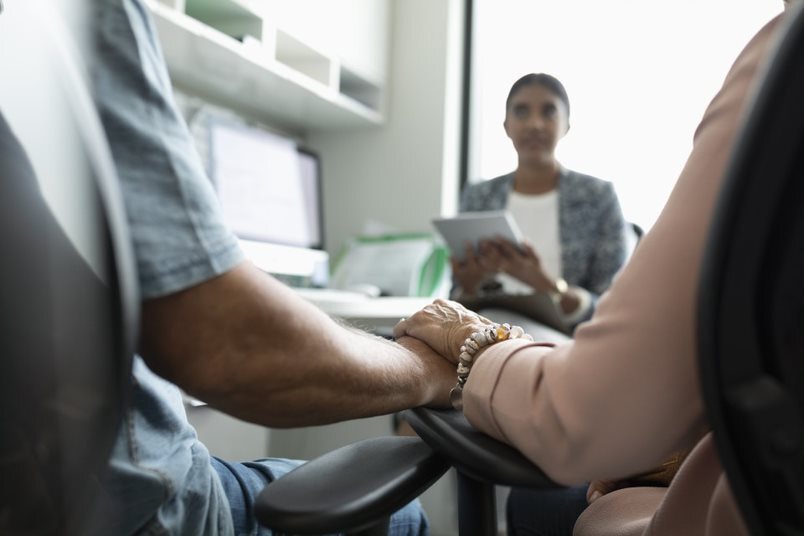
{"x":573,"y":222}
{"x":624,"y":394}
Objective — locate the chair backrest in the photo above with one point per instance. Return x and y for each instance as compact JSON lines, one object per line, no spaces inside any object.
{"x":67,"y":281}
{"x":751,"y":302}
{"x":481,"y":464}
{"x":638,"y":231}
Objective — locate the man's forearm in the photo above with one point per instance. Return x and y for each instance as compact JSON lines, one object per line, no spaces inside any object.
{"x":249,"y":346}
{"x":371,"y":377}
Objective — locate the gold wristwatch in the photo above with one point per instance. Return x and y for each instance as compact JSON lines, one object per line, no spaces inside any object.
{"x":561,"y":288}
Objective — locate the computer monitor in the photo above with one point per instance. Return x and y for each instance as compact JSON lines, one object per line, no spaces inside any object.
{"x":270,"y":191}
{"x":269,"y":187}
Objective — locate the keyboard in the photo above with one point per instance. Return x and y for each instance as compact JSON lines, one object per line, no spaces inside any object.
{"x":329,"y":295}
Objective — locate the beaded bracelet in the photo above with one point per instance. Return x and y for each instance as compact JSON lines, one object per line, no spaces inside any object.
{"x":472,"y":346}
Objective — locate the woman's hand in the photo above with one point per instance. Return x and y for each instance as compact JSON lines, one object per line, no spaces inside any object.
{"x":473,"y":269}
{"x":522,"y":262}
{"x":443,"y":326}
{"x":598,"y":488}
{"x":658,"y":476}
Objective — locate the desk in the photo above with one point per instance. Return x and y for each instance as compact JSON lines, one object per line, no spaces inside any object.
{"x":374,"y":314}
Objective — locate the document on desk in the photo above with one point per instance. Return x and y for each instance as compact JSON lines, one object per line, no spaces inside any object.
{"x":397,"y":264}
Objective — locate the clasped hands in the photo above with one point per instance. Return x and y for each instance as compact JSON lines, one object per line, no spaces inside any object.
{"x":442,"y":326}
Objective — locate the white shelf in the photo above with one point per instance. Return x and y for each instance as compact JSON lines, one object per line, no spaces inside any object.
{"x":359,"y":89}
{"x":304,"y":59}
{"x":272,"y":77}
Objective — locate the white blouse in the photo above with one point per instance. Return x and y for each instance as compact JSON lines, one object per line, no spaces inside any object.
{"x":537,"y":218}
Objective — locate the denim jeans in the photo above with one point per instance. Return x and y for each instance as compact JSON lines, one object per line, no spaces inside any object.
{"x":242,"y":482}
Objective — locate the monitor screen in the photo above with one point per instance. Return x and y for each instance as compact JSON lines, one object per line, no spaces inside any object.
{"x":269,"y":188}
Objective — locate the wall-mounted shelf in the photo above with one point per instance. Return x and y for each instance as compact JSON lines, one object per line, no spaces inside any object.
{"x":359,"y":89}
{"x":228,"y":53}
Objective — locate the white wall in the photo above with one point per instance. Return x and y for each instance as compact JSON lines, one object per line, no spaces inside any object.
{"x":406,"y":172}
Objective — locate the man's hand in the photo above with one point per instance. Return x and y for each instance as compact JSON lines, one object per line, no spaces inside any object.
{"x":431,"y":359}
{"x":443,"y":326}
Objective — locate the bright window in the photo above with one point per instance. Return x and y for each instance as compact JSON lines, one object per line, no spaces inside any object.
{"x":639,"y":75}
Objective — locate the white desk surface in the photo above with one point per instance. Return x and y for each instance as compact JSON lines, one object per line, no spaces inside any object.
{"x":362,"y":310}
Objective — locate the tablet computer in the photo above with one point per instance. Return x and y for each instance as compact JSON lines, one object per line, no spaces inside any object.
{"x":471,"y":227}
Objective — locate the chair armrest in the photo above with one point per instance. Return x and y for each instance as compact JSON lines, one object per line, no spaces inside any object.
{"x":474,"y":453}
{"x":350,"y":488}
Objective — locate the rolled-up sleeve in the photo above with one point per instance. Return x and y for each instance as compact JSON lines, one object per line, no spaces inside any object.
{"x":177,"y":229}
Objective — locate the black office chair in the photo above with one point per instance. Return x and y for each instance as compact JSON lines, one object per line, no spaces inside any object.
{"x":637,"y":229}
{"x":751,"y":303}
{"x":67,"y":289}
{"x":355,"y":488}
{"x":481,"y":464}
{"x":750,"y":331}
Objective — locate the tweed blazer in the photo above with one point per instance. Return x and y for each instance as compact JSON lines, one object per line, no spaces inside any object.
{"x":591,"y":225}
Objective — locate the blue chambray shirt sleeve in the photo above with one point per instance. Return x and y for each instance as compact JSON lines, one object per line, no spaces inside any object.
{"x":178,"y":233}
